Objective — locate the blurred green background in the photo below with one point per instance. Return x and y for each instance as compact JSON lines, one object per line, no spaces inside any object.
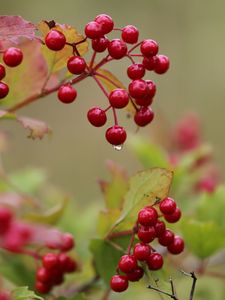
{"x":191,"y":33}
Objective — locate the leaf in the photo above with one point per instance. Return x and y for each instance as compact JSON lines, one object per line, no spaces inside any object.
{"x":12,"y":28}
{"x":106,"y":219}
{"x":23,"y":293}
{"x":110,"y":86}
{"x":56,"y":61}
{"x":202,"y":238}
{"x":37,"y":128}
{"x":106,"y":258}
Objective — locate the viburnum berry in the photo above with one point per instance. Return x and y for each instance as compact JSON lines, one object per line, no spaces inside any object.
{"x":97,"y":116}
{"x":155,"y":261}
{"x":136,"y":71}
{"x":6,"y":217}
{"x":42,"y":288}
{"x":141,"y":251}
{"x":167,"y":206}
{"x":67,"y":94}
{"x":146,"y":101}
{"x":146,"y":234}
{"x":76,"y":65}
{"x":150,"y":62}
{"x":2,"y":71}
{"x":174,"y":217}
{"x":71,"y":265}
{"x":177,"y":246}
{"x":119,"y":283}
{"x":162,"y":64}
{"x":147,"y":216}
{"x":127,"y":263}
{"x":44,"y":275}
{"x":13,"y":57}
{"x":55,"y":40}
{"x":136,"y":275}
{"x":106,"y":23}
{"x":151,"y":88}
{"x":119,"y":98}
{"x":166,"y":238}
{"x":138,"y":88}
{"x":144,"y":116}
{"x":93,"y":30}
{"x":130,"y":34}
{"x":100,"y":45}
{"x":117,"y":48}
{"x":160,"y":228}
{"x":149,"y":48}
{"x":116,"y":135}
{"x":50,"y":260}
{"x":67,"y":242}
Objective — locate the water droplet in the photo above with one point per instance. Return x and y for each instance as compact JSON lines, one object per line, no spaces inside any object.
{"x":118,"y":147}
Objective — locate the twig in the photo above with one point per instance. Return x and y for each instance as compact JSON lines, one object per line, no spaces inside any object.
{"x":192,"y":275}
{"x":162,"y":292}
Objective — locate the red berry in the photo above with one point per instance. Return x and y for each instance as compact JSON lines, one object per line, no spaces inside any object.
{"x":150,"y":62}
{"x":144,"y":116}
{"x":130,"y":34}
{"x":4,"y":90}
{"x":173,"y":218}
{"x":147,"y":216}
{"x":162,"y":64}
{"x":167,"y":206}
{"x":4,"y":296}
{"x":44,"y":275}
{"x":166,"y":238}
{"x":64,"y":261}
{"x":138,"y":88}
{"x":136,"y":71}
{"x":67,"y":242}
{"x":57,"y":276}
{"x":155,"y":261}
{"x":146,"y":101}
{"x":141,"y":251}
{"x":42,"y":287}
{"x":97,"y":116}
{"x":50,"y":260}
{"x":117,"y":48}
{"x":106,"y":22}
{"x":146,"y":234}
{"x":76,"y":65}
{"x":119,"y":98}
{"x":71,"y":266}
{"x":13,"y":57}
{"x":116,"y":135}
{"x":160,"y":228}
{"x":5,"y":219}
{"x":55,"y":40}
{"x":119,"y":283}
{"x":66,"y":93}
{"x":136,"y":275}
{"x":151,"y":88}
{"x":177,"y":246}
{"x":2,"y":71}
{"x":127,"y":263}
{"x":93,"y":30}
{"x":100,"y":45}
{"x":149,"y":48}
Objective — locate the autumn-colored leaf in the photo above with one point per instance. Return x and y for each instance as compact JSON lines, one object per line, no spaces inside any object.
{"x":37,"y":128}
{"x":12,"y":28}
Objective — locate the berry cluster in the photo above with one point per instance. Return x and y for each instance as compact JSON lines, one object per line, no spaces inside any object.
{"x":140,"y":92}
{"x":148,"y":228}
{"x":12,"y":57}
{"x":4,"y":295}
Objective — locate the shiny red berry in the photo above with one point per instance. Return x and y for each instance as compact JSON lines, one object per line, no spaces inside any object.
{"x":76,"y":65}
{"x":155,"y":261}
{"x":44,"y":275}
{"x":119,"y":98}
{"x":174,"y":217}
{"x":167,"y":206}
{"x":100,"y":45}
{"x":67,"y":94}
{"x":151,"y":88}
{"x":4,"y":90}
{"x":127,"y":263}
{"x":93,"y":30}
{"x":119,"y":283}
{"x":160,"y":228}
{"x":144,"y":116}
{"x":138,"y":88}
{"x":6,"y":217}
{"x":146,"y":101}
{"x":141,"y":251}
{"x":116,"y":135}
{"x":13,"y":57}
{"x":71,"y":266}
{"x":106,"y":23}
{"x":117,"y":48}
{"x":130,"y":34}
{"x":147,"y":216}
{"x":136,"y":275}
{"x":50,"y":260}
{"x":162,"y":64}
{"x":150,"y":62}
{"x":2,"y":71}
{"x":146,"y":234}
{"x":149,"y":48}
{"x":55,"y":40}
{"x":136,"y":71}
{"x":42,"y":288}
{"x":97,"y":116}
{"x":166,"y":238}
{"x":177,"y":246}
{"x":67,"y":242}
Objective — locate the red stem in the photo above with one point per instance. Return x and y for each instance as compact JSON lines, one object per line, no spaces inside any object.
{"x":108,"y":79}
{"x":134,"y":47}
{"x":92,"y":60}
{"x":100,"y":85}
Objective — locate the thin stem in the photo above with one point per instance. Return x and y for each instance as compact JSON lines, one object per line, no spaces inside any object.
{"x":172,"y":287}
{"x":107,"y":108}
{"x":100,"y":85}
{"x":134,"y":47}
{"x":119,"y":234}
{"x":192,"y":275}
{"x":92,"y":60}
{"x":106,"y":295}
{"x":130,"y":58}
{"x":117,"y":29}
{"x":102,"y":62}
{"x":108,"y":79}
{"x":134,"y":231}
{"x":162,"y":292}
{"x":115,"y":116}
{"x":136,"y":55}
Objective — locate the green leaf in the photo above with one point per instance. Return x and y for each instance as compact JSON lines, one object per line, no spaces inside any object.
{"x":23,"y":293}
{"x":106,"y":258}
{"x":106,"y":219}
{"x":202,"y":238}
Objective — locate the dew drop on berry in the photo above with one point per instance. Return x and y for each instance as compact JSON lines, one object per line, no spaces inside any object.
{"x":118,"y":147}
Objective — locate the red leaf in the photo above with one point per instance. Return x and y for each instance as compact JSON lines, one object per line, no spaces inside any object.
{"x":12,"y":28}
{"x":37,"y":128}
